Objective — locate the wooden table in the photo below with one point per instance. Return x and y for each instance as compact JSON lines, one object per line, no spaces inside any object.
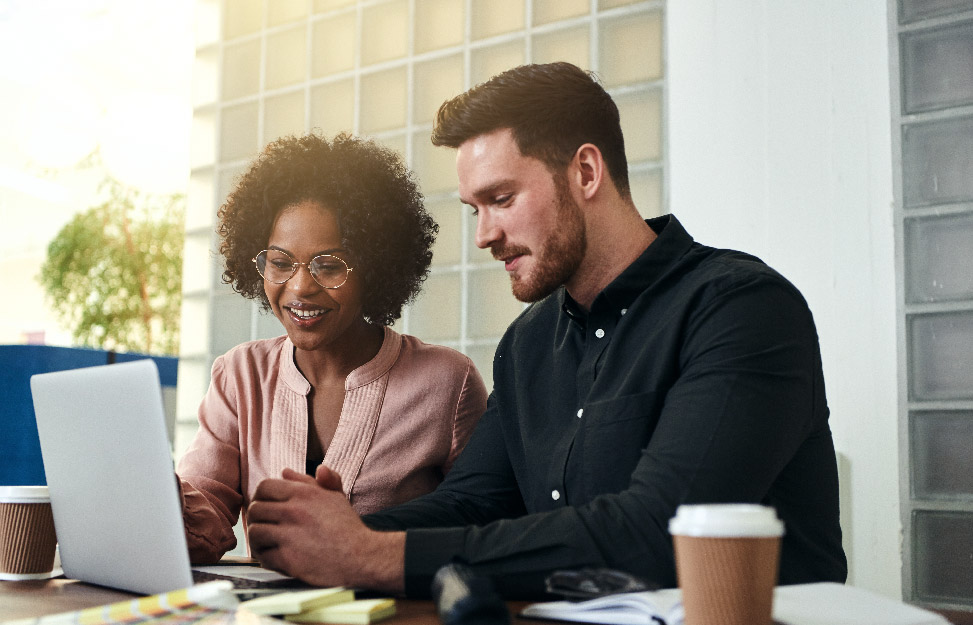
{"x":38,"y":598}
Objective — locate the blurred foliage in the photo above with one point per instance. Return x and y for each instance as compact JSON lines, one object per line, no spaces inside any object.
{"x":113,"y":274}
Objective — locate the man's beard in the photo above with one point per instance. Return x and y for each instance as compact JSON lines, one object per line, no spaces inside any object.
{"x":560,"y":253}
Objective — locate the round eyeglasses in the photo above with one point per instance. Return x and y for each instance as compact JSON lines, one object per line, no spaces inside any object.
{"x":279,"y":267}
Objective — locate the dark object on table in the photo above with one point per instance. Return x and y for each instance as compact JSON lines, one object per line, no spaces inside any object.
{"x":463,"y":598}
{"x":588,"y":583}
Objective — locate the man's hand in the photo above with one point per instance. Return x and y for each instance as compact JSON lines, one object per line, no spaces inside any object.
{"x":305,"y":527}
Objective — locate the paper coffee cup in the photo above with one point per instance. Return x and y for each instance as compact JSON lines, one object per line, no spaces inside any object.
{"x":727,"y":558}
{"x":27,"y":538}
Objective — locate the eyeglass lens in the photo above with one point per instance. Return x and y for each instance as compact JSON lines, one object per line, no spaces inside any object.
{"x":278,"y":267}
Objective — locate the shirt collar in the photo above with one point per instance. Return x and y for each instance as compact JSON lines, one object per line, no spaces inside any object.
{"x":375,"y":368}
{"x":671,"y":244}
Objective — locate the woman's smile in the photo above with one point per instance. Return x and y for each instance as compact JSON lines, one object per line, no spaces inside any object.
{"x":305,"y":316}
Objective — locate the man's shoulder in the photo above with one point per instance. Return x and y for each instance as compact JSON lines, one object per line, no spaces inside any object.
{"x":728,"y":269}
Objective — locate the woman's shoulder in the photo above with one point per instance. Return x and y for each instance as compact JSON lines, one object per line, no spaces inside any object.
{"x":444,"y":368}
{"x":257,"y":354}
{"x":417,"y":349}
{"x":434,"y":361}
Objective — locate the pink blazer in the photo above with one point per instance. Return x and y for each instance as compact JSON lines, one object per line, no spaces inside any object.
{"x":406,"y":416}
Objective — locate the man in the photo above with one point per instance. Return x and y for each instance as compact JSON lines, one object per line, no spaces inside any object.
{"x":650,"y":371}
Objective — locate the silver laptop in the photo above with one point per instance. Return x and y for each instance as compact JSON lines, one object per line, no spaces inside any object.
{"x":110,"y":474}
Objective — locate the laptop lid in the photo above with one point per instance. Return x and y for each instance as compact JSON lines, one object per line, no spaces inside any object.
{"x":111,"y":478}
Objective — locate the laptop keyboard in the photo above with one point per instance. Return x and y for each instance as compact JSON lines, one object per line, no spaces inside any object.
{"x":243,"y":583}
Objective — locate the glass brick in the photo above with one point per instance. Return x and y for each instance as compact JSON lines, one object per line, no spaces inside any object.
{"x":448,"y":249}
{"x":434,"y":82}
{"x":435,"y":315}
{"x":435,"y":167}
{"x":631,"y":49}
{"x":941,"y":444}
{"x":492,"y":305}
{"x":937,"y":162}
{"x":569,"y":44}
{"x":941,"y":556}
{"x":238,"y":132}
{"x":911,"y":10}
{"x":227,"y":181}
{"x":439,"y":24}
{"x":547,"y":11}
{"x":641,"y":117}
{"x":482,"y":357}
{"x":200,"y":208}
{"x":231,"y":321}
{"x":604,"y":5}
{"x":322,"y":6}
{"x":193,"y":325}
{"x":396,"y":143}
{"x":241,"y":70}
{"x":286,"y":58}
{"x":268,"y":326}
{"x":242,"y":17}
{"x":284,"y":115}
{"x":193,"y":376}
{"x":646,"y":187}
{"x":385,"y":32}
{"x":333,"y":107}
{"x":205,"y":77}
{"x":940,"y":345}
{"x":937,"y":258}
{"x":384,"y":97}
{"x":496,"y":17}
{"x":488,"y":62}
{"x":283,"y":11}
{"x":202,"y":145}
{"x":937,"y":68}
{"x":333,"y":45}
{"x":198,"y":262}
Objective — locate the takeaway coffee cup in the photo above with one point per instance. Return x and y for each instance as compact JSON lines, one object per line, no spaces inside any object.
{"x":27,"y":539}
{"x":727,"y":558}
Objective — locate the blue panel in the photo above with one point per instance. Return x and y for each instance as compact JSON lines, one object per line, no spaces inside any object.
{"x":20,"y":451}
{"x":167,"y":365}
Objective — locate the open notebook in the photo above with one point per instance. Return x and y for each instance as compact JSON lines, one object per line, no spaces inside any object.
{"x":823,"y":603}
{"x":113,"y":489}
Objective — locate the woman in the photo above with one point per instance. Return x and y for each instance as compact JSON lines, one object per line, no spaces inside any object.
{"x":334,"y":239}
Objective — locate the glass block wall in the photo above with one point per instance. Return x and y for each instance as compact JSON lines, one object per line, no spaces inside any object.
{"x":381,"y":68}
{"x":932,"y":79}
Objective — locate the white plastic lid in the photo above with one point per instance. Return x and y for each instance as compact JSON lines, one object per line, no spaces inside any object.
{"x":24,"y":494}
{"x":726,"y":520}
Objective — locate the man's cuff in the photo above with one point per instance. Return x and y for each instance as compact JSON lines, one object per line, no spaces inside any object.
{"x":426,"y":550}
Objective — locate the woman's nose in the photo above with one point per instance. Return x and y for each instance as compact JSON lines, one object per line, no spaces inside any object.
{"x":302,"y":281}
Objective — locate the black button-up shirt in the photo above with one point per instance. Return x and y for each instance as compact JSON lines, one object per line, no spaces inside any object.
{"x":694,"y":378}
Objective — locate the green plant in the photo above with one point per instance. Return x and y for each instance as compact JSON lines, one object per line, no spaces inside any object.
{"x":113,"y":274}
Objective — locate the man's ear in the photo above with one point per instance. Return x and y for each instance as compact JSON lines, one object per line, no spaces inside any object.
{"x":589,"y":169}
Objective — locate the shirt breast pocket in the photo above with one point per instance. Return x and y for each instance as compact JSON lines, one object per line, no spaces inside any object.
{"x":615,"y":432}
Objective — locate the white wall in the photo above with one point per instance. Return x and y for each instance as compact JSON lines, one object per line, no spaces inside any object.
{"x":780,"y":145}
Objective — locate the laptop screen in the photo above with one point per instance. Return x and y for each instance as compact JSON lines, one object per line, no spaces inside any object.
{"x":110,"y":474}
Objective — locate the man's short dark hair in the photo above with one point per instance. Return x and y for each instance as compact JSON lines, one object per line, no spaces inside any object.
{"x":552,"y":109}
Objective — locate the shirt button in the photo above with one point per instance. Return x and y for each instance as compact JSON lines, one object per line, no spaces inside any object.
{"x":600,"y":333}
{"x":580,"y":412}
{"x":624,"y":310}
{"x":555,"y":495}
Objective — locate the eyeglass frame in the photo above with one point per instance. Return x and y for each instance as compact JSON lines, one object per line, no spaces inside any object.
{"x":307,"y":265}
